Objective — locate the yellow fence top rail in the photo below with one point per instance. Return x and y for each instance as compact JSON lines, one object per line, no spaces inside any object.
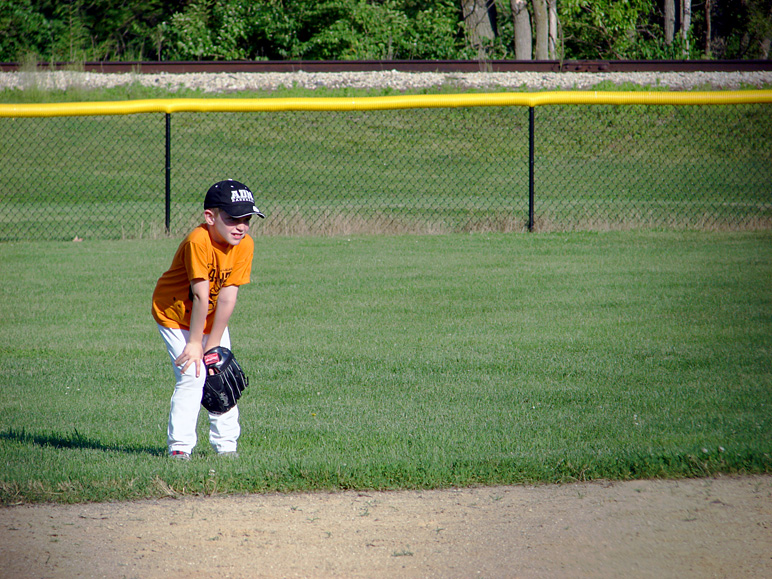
{"x":385,"y":103}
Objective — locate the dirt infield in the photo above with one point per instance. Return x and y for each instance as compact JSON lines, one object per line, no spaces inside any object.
{"x":713,"y":527}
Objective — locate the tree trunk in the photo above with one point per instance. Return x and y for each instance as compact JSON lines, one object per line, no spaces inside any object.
{"x":552,"y":11}
{"x":766,"y":42}
{"x":669,"y":21}
{"x":542,"y":29}
{"x":686,"y":24}
{"x":523,"y":37}
{"x":480,"y":24}
{"x":708,"y":28}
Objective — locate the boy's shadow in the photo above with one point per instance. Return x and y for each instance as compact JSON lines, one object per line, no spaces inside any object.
{"x":76,"y":440}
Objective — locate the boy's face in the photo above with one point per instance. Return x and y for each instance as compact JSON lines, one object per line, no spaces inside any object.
{"x":226,"y":229}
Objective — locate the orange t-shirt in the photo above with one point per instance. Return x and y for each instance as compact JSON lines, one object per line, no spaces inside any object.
{"x":198,"y":257}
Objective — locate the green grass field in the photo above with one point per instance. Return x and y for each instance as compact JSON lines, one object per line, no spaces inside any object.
{"x":398,"y":362}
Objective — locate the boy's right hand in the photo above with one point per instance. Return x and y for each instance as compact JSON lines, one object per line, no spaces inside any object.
{"x":193,"y":353}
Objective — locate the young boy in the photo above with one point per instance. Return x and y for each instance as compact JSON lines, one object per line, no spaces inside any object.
{"x":192,"y":304}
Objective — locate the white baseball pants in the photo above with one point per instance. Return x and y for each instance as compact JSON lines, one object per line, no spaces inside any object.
{"x":224,"y":429}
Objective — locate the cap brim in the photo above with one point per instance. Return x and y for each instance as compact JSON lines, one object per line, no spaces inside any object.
{"x":248,"y":214}
{"x":238,"y":214}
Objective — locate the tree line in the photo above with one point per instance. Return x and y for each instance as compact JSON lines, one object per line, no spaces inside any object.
{"x":130,"y":30}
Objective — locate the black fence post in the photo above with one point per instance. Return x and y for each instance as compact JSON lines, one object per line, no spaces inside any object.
{"x":530,"y":168}
{"x":168,"y":171}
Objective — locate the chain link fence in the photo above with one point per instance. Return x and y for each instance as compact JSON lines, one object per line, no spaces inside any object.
{"x":404,"y":170}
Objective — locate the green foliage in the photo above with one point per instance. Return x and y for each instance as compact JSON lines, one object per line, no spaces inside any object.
{"x":80,"y":30}
{"x":744,"y":28}
{"x":208,"y":30}
{"x":355,"y":29}
{"x":277,"y":33}
{"x":120,"y":30}
{"x":606,"y":29}
{"x":24,"y":29}
{"x":360,"y":31}
{"x":434,"y":32}
{"x":603,"y":27}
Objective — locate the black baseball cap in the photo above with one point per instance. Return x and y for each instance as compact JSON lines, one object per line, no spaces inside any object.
{"x":232,"y":197}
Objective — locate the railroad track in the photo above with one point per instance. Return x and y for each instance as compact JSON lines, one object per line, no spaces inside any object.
{"x":442,"y":66}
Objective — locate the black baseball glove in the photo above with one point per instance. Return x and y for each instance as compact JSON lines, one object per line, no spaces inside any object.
{"x":225,"y":381}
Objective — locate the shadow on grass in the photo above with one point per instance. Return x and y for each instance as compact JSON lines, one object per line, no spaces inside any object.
{"x":76,"y":440}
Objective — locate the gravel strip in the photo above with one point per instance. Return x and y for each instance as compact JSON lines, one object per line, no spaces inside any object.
{"x":401,"y":81}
